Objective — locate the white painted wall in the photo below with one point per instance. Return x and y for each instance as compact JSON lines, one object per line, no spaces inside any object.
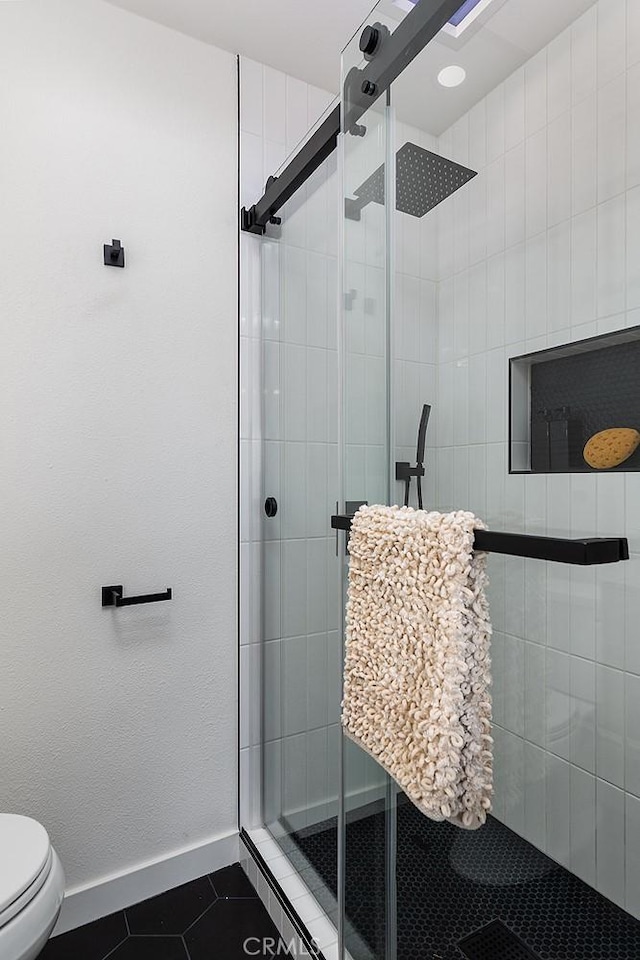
{"x":117,"y":434}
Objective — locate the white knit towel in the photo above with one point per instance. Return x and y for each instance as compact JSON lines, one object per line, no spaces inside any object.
{"x":417,"y":666}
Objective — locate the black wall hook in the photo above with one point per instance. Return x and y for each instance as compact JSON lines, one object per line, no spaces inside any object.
{"x":114,"y":254}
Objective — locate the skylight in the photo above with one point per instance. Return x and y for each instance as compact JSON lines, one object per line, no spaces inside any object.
{"x":463,"y":17}
{"x":463,"y":12}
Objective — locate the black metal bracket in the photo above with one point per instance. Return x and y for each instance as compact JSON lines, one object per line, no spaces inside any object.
{"x":113,"y":597}
{"x":341,"y":521}
{"x":353,"y":208}
{"x":113,"y":254}
{"x":394,"y":53}
{"x":387,"y":55}
{"x":578,"y":552}
{"x":278,"y":190}
{"x":404,"y":471}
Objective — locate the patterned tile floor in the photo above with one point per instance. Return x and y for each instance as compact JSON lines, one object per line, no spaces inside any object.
{"x":208,"y":919}
{"x":452,"y":883}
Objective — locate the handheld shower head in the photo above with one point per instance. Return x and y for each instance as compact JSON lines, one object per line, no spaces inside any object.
{"x":404,"y":471}
{"x":422,"y":433}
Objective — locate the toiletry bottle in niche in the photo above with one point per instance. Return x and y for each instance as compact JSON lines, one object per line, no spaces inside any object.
{"x":564,"y":440}
{"x":540,"y":442}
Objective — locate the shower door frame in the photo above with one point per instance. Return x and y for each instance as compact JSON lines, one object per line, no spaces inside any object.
{"x":384,"y":125}
{"x":394,"y":54}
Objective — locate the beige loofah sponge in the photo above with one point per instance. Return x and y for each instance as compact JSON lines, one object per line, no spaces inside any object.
{"x":609,"y":448}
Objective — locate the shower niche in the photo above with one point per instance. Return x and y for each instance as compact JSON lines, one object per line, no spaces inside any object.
{"x":575,"y":408}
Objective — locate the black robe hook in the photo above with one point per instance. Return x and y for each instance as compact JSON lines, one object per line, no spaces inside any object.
{"x":114,"y":254}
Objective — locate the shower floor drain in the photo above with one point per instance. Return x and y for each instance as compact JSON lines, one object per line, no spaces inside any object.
{"x":495,"y":942}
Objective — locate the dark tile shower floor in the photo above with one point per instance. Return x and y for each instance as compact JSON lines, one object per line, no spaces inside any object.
{"x":208,"y":919}
{"x":451,"y":883}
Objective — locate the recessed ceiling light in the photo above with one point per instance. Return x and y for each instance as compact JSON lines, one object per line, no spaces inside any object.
{"x":452,"y":76}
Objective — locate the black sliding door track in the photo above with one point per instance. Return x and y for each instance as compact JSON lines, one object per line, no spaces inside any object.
{"x":278,"y":190}
{"x":362,"y":88}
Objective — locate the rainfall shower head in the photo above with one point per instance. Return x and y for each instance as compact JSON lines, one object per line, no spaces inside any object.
{"x":423,"y":180}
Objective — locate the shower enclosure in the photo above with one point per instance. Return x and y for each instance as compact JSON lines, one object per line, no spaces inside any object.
{"x":476,"y":250}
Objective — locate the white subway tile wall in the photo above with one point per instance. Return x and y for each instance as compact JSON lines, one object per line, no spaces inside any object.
{"x":541,"y":248}
{"x":556,"y":198}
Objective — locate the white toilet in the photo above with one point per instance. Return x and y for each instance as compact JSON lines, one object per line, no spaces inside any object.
{"x":31,"y":887}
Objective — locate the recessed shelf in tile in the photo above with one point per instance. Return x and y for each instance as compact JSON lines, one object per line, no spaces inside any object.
{"x":562,"y":396}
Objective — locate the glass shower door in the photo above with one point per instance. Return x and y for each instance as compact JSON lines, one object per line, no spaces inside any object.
{"x":368,"y":796}
{"x":301,"y":596}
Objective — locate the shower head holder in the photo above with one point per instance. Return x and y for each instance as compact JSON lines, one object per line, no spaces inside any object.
{"x":404,"y":471}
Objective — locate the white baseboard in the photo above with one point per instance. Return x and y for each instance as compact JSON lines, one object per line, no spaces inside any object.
{"x":85,"y":903}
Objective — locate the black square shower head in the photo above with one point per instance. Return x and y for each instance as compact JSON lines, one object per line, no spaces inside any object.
{"x":423,"y":180}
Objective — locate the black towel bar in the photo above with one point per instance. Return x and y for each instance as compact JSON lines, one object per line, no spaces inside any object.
{"x":112,"y":597}
{"x":580,"y":552}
